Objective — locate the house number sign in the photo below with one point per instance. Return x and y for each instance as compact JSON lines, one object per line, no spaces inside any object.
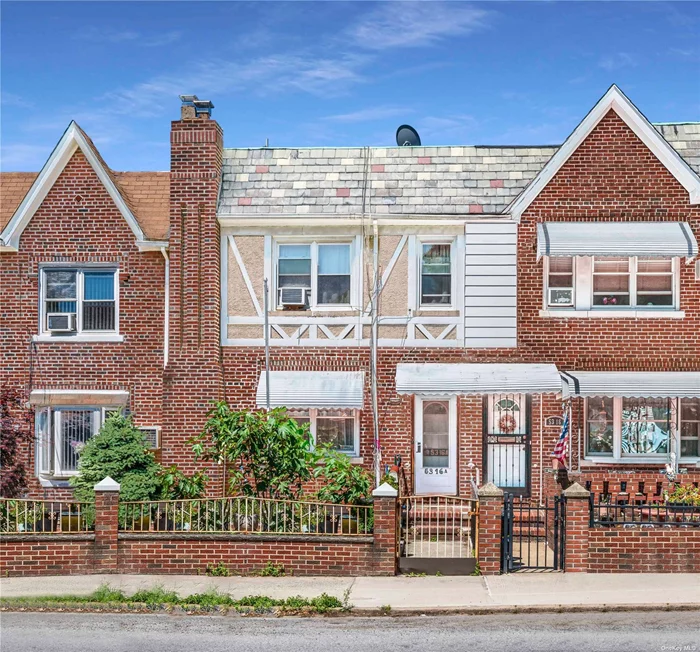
{"x":435,"y":471}
{"x":554,"y":422}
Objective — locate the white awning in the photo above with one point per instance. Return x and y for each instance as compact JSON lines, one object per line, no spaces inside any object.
{"x":641,"y":384}
{"x":450,"y":379}
{"x":647,"y":239}
{"x":313,"y":389}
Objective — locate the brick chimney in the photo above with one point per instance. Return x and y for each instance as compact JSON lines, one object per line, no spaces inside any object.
{"x":193,"y":376}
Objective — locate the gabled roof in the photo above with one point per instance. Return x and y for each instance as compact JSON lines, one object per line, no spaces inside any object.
{"x":149,"y":193}
{"x":616,"y":100}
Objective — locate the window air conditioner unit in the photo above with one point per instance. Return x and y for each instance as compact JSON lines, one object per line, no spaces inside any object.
{"x":60,"y":322}
{"x":561,"y":297}
{"x":293,"y":297}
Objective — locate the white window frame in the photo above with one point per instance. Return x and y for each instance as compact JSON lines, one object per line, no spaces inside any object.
{"x":454,"y":284}
{"x":559,"y":306}
{"x":54,"y":436}
{"x":79,"y":269}
{"x":695,"y":458}
{"x":313,"y":415}
{"x":583,"y":291}
{"x":313,"y":243}
{"x":617,"y":455}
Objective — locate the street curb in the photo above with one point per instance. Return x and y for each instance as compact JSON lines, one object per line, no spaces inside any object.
{"x":373,"y":612}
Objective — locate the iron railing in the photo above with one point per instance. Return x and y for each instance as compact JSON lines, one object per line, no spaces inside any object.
{"x":243,"y":514}
{"x":605,"y":512}
{"x":20,"y":516}
{"x":438,"y":526}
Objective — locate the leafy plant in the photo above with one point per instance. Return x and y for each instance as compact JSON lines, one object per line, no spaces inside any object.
{"x":684,"y":495}
{"x":220,"y":570}
{"x":343,"y":481}
{"x":391,"y":480}
{"x":269,"y":455}
{"x":15,"y":432}
{"x":175,"y":485}
{"x":118,"y":450}
{"x":272,"y":570}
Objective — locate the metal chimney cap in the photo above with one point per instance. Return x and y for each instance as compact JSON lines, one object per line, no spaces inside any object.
{"x":188,"y":99}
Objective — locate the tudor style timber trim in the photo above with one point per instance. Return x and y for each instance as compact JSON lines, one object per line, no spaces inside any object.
{"x":615,"y":100}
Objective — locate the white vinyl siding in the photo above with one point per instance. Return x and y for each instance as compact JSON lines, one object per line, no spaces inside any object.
{"x":490,"y":285}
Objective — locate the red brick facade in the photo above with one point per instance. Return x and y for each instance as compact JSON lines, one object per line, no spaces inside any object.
{"x":611,"y":176}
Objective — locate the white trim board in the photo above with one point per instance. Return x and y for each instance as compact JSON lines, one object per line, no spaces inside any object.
{"x":72,"y":140}
{"x":614,"y":99}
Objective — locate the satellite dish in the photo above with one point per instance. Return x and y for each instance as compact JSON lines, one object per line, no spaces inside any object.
{"x":407,"y":136}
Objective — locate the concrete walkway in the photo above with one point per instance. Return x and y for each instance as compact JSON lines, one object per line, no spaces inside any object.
{"x":404,"y":593}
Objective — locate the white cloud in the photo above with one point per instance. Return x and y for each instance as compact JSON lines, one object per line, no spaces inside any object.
{"x":617,"y":60}
{"x":12,"y":99}
{"x":22,"y":156}
{"x":324,"y":77}
{"x":370,"y":114}
{"x":412,"y":24}
{"x":106,"y":35}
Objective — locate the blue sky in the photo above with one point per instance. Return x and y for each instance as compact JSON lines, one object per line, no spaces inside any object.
{"x":334,"y":73}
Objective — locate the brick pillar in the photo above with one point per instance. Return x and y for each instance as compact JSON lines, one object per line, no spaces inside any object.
{"x":577,"y":524}
{"x":385,"y":527}
{"x":106,"y":525}
{"x":489,"y":535}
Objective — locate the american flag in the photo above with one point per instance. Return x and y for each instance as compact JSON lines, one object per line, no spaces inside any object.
{"x":563,"y":442}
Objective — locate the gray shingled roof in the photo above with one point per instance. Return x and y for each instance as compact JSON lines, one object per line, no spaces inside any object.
{"x":400,"y":180}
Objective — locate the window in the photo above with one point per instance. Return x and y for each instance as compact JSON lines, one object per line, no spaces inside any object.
{"x":61,"y":435}
{"x":436,"y":274}
{"x":340,"y":428}
{"x":589,"y":283}
{"x":561,"y":282}
{"x":690,"y":427}
{"x":314,"y":274}
{"x":79,"y":301}
{"x":436,"y":434}
{"x":599,"y":426}
{"x":631,"y":427}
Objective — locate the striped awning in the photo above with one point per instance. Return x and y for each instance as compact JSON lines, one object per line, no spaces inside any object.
{"x":647,"y":239}
{"x":313,"y":389}
{"x":633,"y":384}
{"x":451,"y":379}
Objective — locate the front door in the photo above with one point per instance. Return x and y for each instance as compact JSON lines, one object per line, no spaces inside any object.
{"x":507,"y":438}
{"x":435,"y":432}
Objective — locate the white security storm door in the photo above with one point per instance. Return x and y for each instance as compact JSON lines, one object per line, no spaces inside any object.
{"x":508,"y":442}
{"x":435,"y":431}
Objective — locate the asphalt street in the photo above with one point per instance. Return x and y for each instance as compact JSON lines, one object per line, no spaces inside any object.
{"x":627,"y":632}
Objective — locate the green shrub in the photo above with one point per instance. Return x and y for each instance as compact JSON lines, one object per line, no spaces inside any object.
{"x":343,"y":481}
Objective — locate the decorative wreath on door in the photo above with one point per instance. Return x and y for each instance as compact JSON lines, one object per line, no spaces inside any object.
{"x":507,"y":424}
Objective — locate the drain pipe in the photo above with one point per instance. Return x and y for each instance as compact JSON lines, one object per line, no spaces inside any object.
{"x":166,"y":325}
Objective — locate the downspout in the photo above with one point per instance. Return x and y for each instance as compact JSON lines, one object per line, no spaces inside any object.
{"x":166,"y":325}
{"x":541,"y":448}
{"x":375,"y":319}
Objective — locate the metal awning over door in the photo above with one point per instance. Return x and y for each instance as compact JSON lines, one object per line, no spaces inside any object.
{"x":644,"y":239}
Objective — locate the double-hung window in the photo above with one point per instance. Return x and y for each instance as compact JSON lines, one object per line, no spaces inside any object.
{"x":436,"y":274}
{"x":690,"y":427}
{"x":338,"y":427}
{"x":75,"y":301}
{"x":314,"y":274}
{"x":560,"y":282}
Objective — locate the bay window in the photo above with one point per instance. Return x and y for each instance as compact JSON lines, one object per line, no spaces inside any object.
{"x":338,"y":427}
{"x":623,"y":427}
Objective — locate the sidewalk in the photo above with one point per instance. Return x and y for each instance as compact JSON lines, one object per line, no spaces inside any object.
{"x":546,"y":590}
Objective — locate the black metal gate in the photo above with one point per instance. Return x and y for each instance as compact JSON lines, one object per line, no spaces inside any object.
{"x":532,"y":536}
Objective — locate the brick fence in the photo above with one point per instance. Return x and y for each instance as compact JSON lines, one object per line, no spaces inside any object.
{"x":109,"y":550}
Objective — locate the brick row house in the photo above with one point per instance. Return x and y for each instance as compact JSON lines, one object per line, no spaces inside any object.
{"x":444,"y":308}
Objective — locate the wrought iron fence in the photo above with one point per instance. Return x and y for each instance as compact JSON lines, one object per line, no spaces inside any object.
{"x":20,"y":516}
{"x":243,"y":514}
{"x":607,"y":512}
{"x":438,"y":526}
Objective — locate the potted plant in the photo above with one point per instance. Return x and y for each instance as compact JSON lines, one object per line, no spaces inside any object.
{"x":684,"y":501}
{"x":344,"y":483}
